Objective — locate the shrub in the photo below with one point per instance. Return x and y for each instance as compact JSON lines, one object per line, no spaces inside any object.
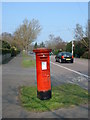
{"x":0,"y":51}
{"x":6,"y":48}
{"x":14,"y":51}
{"x":85,"y":55}
{"x":55,"y":52}
{"x":5,"y":51}
{"x":5,"y":45}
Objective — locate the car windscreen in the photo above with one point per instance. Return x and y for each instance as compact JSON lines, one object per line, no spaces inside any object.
{"x":67,"y":54}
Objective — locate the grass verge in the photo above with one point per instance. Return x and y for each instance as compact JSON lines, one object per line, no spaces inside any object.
{"x":28,"y":63}
{"x":67,"y":95}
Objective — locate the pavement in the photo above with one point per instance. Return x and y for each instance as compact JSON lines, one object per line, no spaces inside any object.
{"x":14,"y":76}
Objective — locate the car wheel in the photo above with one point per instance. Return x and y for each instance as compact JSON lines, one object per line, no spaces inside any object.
{"x":71,"y":61}
{"x":55,"y":60}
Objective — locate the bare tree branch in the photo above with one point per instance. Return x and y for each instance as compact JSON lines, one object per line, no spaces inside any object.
{"x":27,"y":33}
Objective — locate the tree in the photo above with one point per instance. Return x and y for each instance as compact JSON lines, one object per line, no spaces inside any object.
{"x":5,"y":45}
{"x":35,"y":46}
{"x":59,"y":43}
{"x":89,"y":37}
{"x":42,"y":44}
{"x":55,"y":42}
{"x":79,"y":48}
{"x":89,"y":29}
{"x":8,"y":37}
{"x":49,"y":43}
{"x":80,"y":34}
{"x":69,"y":47}
{"x":27,"y":33}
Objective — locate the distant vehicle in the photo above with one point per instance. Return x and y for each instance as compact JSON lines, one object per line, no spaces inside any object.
{"x":30,"y":52}
{"x":64,"y":57}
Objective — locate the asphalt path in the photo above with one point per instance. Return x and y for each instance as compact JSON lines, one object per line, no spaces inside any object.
{"x":14,"y":76}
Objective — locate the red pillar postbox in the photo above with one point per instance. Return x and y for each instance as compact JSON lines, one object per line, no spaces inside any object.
{"x":43,"y":73}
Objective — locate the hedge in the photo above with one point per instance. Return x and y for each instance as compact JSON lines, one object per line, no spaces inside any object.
{"x":55,"y":52}
{"x":5,"y":45}
{"x":85,"y":55}
{"x":4,"y":51}
{"x":6,"y":48}
{"x":13,"y":52}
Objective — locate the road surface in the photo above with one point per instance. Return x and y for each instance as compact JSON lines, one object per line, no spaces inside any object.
{"x":76,"y":72}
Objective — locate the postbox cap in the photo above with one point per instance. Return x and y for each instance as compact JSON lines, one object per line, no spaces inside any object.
{"x":40,"y":50}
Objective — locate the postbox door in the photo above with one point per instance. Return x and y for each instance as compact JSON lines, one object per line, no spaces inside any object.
{"x":45,"y":69}
{"x":46,"y":85}
{"x":43,"y":73}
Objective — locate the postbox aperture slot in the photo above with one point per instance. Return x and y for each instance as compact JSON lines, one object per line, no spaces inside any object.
{"x":43,"y":59}
{"x":41,"y":54}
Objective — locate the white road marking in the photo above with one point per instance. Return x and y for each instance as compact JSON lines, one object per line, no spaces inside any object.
{"x":71,"y":70}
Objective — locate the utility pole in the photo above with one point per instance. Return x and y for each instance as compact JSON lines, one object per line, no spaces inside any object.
{"x":72,"y":47}
{"x":72,"y":38}
{"x":72,"y":41}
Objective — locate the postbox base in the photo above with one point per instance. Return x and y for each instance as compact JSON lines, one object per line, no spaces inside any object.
{"x":44,"y":95}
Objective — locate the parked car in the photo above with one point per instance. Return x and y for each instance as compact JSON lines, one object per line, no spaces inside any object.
{"x":64,"y":57}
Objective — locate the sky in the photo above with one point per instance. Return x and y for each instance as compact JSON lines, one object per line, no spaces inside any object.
{"x":57,"y":18}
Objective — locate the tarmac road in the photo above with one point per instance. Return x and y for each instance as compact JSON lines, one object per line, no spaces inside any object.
{"x":14,"y":76}
{"x":76,"y":72}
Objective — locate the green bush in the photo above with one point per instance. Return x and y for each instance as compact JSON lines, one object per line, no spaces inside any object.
{"x":79,"y":49}
{"x":55,"y":52}
{"x":85,"y":55}
{"x":5,"y":45}
{"x":69,"y":47}
{"x":4,"y":51}
{"x":6,"y":48}
{"x":0,"y":51}
{"x":14,"y":52}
